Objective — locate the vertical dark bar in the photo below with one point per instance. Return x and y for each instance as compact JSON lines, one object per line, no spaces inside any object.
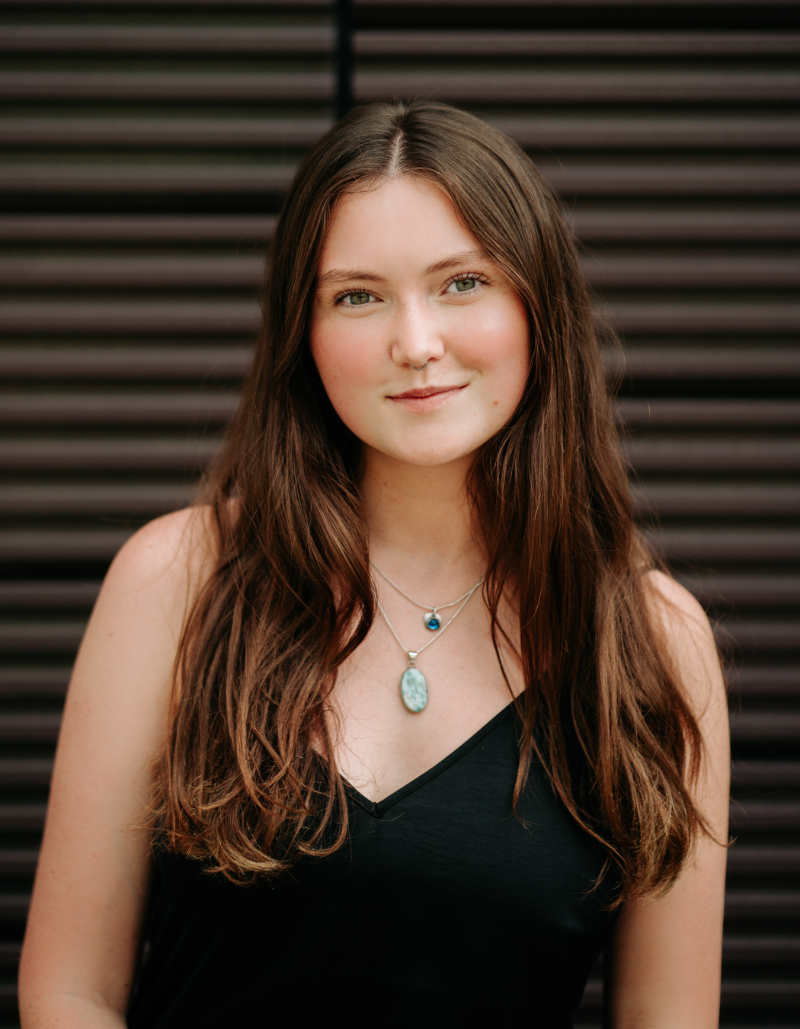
{"x":344,"y":57}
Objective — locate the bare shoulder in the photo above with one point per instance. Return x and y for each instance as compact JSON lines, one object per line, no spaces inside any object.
{"x":689,"y":638}
{"x":671,"y":599}
{"x":170,"y":548}
{"x":166,"y":561}
{"x":93,"y":869}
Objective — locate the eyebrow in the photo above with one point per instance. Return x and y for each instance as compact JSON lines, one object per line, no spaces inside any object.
{"x":346,"y":274}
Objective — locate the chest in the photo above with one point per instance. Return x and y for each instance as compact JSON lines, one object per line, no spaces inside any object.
{"x":379,"y":745}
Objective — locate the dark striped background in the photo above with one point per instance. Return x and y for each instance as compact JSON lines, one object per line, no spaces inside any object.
{"x":146,"y":148}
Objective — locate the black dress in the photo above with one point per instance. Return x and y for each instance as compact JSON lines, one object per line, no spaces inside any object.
{"x":440,"y":910}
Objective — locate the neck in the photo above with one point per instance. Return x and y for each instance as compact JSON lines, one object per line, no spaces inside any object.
{"x":420,"y":523}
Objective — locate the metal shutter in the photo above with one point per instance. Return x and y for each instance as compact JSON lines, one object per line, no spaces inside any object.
{"x":147,"y":148}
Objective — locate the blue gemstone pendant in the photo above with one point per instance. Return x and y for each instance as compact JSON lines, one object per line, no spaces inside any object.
{"x":432,"y":620}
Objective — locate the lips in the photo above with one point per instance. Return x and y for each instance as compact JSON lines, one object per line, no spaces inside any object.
{"x":429,"y":391}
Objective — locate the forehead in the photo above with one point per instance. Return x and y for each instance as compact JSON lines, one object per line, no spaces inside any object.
{"x":401,"y":213}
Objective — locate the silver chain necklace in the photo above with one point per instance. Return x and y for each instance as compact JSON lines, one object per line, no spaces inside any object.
{"x":413,"y":684}
{"x":430,"y":619}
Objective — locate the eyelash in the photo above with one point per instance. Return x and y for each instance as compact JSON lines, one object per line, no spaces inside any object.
{"x":474,"y":276}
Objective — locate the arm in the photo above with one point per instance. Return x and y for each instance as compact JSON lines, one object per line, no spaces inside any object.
{"x":93,"y":870}
{"x":666,"y":955}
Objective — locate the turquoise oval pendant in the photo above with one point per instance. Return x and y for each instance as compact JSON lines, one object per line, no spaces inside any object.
{"x":414,"y":689}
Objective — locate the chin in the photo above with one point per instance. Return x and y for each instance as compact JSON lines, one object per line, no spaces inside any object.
{"x":434,"y":457}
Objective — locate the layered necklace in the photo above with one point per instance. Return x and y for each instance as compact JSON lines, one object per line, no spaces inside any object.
{"x":413,"y":684}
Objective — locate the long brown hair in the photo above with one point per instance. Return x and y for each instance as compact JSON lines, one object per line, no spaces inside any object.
{"x":290,"y":596}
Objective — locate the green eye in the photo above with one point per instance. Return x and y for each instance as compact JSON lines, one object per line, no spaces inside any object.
{"x":357,"y":298}
{"x":471,"y":279}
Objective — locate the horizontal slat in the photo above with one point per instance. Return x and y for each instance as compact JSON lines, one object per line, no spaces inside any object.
{"x":753,"y":816}
{"x":766,"y":997}
{"x":725,"y":544}
{"x":160,"y":270}
{"x":696,"y":270}
{"x":767,"y":634}
{"x":744,"y":860}
{"x":744,"y":949}
{"x":738,"y":997}
{"x":633,"y":43}
{"x":18,"y":862}
{"x":728,"y":131}
{"x":277,"y":39}
{"x":115,"y":407}
{"x":764,"y":774}
{"x":588,"y":177}
{"x":33,"y":727}
{"x":762,"y":725}
{"x":166,"y":316}
{"x":653,"y":131}
{"x":62,"y":545}
{"x":141,"y":176}
{"x":21,"y":817}
{"x":764,"y":588}
{"x":778,"y":905}
{"x":189,"y":271}
{"x":103,"y":85}
{"x":74,"y":593}
{"x":143,"y":361}
{"x":158,"y":228}
{"x":736,"y":361}
{"x":599,"y":224}
{"x":218,"y":6}
{"x":26,"y":772}
{"x":131,"y":131}
{"x":59,"y":453}
{"x":693,"y":316}
{"x":286,"y":39}
{"x":534,"y":4}
{"x":721,"y":500}
{"x":90,"y":499}
{"x":671,"y":413}
{"x":754,"y":680}
{"x":581,"y":84}
{"x":729,"y":452}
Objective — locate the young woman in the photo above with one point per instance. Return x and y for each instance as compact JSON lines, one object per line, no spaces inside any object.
{"x":402,"y":723}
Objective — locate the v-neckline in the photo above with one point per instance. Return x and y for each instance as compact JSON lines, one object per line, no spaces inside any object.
{"x":377,"y":808}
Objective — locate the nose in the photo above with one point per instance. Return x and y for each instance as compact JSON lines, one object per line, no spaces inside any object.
{"x":416,"y":336}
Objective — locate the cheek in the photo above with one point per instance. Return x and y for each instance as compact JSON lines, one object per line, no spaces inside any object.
{"x":342,"y":362}
{"x":498,"y":343}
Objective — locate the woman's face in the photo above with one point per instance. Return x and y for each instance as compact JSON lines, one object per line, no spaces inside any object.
{"x":407,"y":302}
